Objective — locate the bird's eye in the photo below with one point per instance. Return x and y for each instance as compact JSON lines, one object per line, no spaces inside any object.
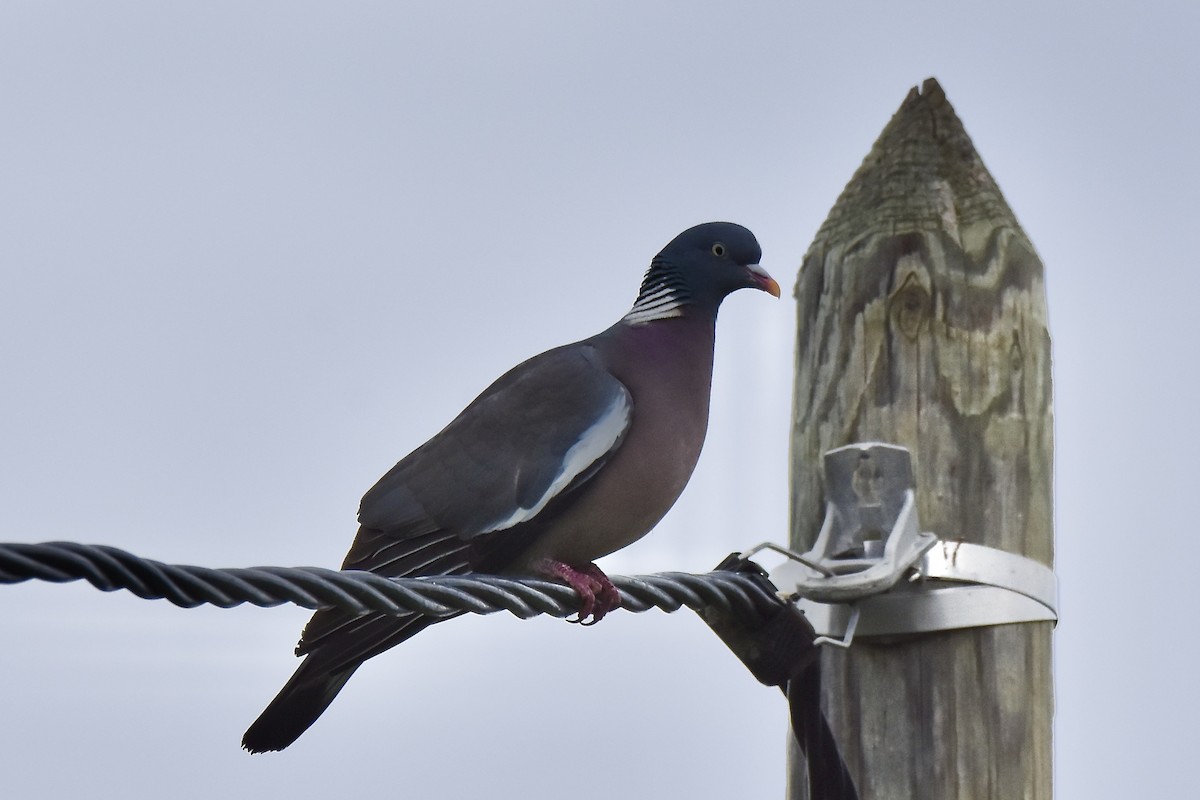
{"x":718,"y":249}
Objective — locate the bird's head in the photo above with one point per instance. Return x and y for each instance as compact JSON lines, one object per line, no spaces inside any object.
{"x":699,"y":268}
{"x":719,"y":257}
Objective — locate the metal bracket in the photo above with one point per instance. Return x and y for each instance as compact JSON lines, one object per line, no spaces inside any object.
{"x":849,"y":583}
{"x":870,"y":537}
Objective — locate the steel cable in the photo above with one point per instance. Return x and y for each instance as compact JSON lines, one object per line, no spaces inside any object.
{"x":109,"y":569}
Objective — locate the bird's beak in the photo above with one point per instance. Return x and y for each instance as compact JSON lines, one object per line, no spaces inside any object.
{"x":762,"y":280}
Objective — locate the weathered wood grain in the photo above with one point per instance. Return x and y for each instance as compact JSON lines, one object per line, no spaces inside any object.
{"x":922,"y":321}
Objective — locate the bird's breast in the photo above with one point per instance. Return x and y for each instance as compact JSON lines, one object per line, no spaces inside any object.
{"x":669,"y":376}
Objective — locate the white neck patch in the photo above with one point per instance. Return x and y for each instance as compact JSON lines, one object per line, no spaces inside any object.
{"x":663,"y":295}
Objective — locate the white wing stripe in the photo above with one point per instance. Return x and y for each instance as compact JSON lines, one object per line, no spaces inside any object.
{"x":592,"y":445}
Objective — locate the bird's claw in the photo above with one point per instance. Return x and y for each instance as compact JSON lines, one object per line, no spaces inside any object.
{"x":587,"y":605}
{"x":597,"y":594}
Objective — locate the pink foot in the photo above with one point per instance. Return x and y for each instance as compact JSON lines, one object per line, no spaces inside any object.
{"x":596,"y":592}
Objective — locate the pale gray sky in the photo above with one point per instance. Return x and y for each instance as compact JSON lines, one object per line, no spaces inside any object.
{"x":253,"y":253}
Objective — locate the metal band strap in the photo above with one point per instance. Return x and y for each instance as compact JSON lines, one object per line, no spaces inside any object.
{"x":957,"y":585}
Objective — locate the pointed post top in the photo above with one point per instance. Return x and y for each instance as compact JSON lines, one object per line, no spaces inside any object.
{"x":922,"y":174}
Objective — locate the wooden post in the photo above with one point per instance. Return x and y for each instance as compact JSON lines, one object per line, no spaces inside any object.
{"x":922,"y":322}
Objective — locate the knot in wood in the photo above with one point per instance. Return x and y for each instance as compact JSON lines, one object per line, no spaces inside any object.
{"x":1016,"y":356}
{"x":909,"y":306}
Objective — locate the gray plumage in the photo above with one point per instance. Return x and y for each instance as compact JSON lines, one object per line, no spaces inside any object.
{"x":566,"y":458}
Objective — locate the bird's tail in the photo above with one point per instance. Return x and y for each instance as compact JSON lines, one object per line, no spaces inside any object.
{"x":302,"y":699}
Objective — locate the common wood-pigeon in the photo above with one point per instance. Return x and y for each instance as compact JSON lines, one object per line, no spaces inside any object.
{"x":567,"y":457}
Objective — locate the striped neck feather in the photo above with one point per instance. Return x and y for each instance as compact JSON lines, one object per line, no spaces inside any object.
{"x":663,"y":295}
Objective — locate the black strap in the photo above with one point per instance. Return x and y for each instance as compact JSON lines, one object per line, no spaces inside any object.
{"x":776,"y":643}
{"x":828,"y":778}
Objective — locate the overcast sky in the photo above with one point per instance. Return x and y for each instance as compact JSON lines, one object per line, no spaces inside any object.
{"x":253,"y":253}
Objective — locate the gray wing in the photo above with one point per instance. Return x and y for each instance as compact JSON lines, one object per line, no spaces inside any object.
{"x":530,"y":437}
{"x":480,"y":486}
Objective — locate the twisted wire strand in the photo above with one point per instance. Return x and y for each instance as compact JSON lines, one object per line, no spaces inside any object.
{"x":109,"y":569}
